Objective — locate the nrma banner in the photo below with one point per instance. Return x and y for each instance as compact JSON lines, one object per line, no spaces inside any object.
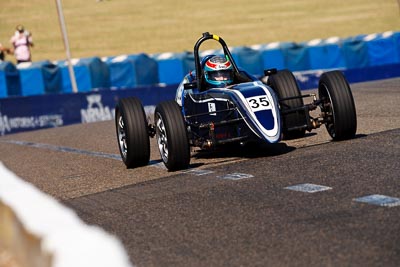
{"x":18,"y":114}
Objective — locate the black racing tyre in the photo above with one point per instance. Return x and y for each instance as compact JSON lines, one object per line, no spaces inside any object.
{"x":337,"y":105}
{"x":171,"y":135}
{"x":132,"y":132}
{"x":285,"y":85}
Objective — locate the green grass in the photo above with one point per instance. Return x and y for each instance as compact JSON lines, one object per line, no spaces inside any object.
{"x":115,"y":27}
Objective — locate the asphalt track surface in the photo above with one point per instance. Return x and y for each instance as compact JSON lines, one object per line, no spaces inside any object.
{"x":234,"y":208}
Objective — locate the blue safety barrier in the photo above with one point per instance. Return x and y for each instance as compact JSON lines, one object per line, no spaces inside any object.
{"x":128,"y":71}
{"x":310,"y":79}
{"x":249,"y":59}
{"x":54,"y":110}
{"x":296,"y":57}
{"x":98,"y":70}
{"x":82,"y":77}
{"x":172,"y":67}
{"x":396,"y":39}
{"x":42,"y":77}
{"x":90,"y":73}
{"x":381,"y":49}
{"x":355,"y":52}
{"x":10,"y":84}
{"x":324,"y":54}
{"x":272,"y":55}
{"x":132,"y":71}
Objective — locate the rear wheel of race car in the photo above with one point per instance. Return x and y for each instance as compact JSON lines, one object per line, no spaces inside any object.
{"x":132,"y":132}
{"x":338,"y":105}
{"x":285,"y":85}
{"x":171,"y":135}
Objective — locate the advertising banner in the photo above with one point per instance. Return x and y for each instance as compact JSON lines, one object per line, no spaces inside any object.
{"x":19,"y":114}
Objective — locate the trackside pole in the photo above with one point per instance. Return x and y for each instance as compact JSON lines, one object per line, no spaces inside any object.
{"x":66,"y":45}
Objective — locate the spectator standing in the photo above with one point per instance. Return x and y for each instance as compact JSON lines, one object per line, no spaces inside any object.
{"x":22,"y":42}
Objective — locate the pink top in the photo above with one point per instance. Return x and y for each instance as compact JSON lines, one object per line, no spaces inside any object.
{"x":21,"y":42}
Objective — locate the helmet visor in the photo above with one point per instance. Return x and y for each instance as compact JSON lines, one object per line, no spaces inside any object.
{"x":220,"y":75}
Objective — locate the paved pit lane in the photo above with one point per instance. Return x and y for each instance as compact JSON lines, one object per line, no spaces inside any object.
{"x":234,"y":208}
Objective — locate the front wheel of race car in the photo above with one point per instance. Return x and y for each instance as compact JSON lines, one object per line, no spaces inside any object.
{"x":171,"y":135}
{"x":285,"y":85}
{"x":337,"y":105}
{"x":132,"y":132}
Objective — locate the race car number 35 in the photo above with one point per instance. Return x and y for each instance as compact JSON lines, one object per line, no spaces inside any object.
{"x":258,"y":103}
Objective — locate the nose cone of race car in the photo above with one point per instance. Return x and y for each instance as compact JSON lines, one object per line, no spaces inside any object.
{"x":260,"y":104}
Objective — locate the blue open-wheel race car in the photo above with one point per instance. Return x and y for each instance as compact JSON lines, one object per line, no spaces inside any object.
{"x":241,"y":109}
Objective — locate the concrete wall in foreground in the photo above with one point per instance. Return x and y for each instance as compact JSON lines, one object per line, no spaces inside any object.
{"x":18,"y":246}
{"x":36,"y":230}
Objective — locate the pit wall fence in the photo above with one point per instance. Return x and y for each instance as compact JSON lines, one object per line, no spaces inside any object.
{"x":39,"y":95}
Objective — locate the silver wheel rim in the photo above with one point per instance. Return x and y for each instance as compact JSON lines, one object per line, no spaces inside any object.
{"x":162,"y":139}
{"x":330,"y":125}
{"x":122,"y":137}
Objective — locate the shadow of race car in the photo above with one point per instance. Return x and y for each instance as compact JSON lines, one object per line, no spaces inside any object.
{"x":248,"y":111}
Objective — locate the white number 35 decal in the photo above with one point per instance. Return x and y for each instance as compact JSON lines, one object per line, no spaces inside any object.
{"x":258,"y":103}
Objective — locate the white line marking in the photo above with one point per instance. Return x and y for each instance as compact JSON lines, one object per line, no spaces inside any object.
{"x":74,"y":150}
{"x":308,"y":188}
{"x":64,"y":149}
{"x":235,"y":176}
{"x":379,"y":200}
{"x":198,"y":172}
